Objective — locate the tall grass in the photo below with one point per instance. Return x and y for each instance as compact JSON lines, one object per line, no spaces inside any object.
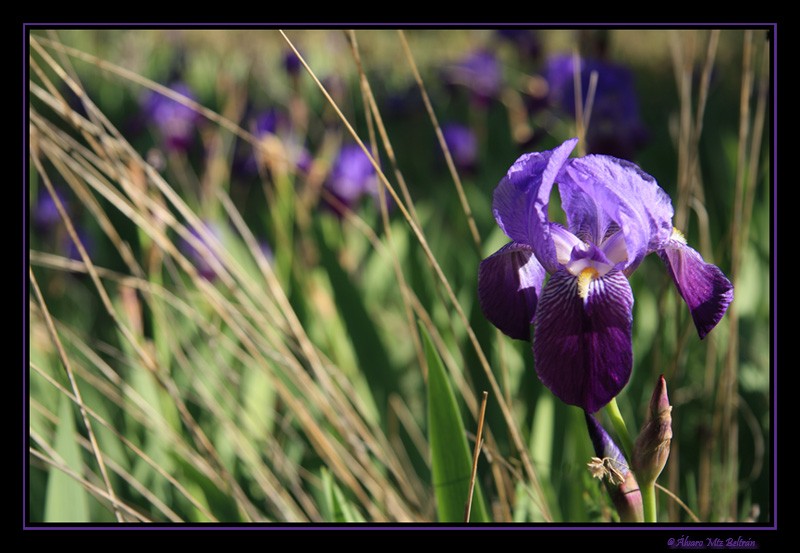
{"x":293,"y":386}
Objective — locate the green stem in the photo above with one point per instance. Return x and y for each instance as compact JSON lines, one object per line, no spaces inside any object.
{"x":612,"y":409}
{"x":649,"y":502}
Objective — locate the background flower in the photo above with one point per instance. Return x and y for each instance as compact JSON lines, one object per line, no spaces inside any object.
{"x":480,"y":72}
{"x":352,"y":177}
{"x":463,"y":145}
{"x":615,"y":127}
{"x":201,"y":256}
{"x":45,"y":214}
{"x":174,"y":120}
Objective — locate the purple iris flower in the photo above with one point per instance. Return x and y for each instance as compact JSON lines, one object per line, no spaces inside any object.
{"x":175,"y":121}
{"x":615,"y":127}
{"x":616,"y":215}
{"x":480,"y":72}
{"x":463,"y":145}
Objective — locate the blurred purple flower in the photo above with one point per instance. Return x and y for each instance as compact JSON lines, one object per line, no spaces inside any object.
{"x":616,"y":215}
{"x":291,"y":63}
{"x":174,"y":121}
{"x":45,"y":214}
{"x":273,"y":126}
{"x":201,"y":257}
{"x":352,"y":177}
{"x":615,"y":127}
{"x":268,"y":122}
{"x":463,"y":145}
{"x":480,"y":72}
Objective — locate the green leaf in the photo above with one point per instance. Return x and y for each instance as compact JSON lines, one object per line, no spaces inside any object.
{"x":336,"y":508}
{"x":451,"y":458}
{"x":66,"y":500}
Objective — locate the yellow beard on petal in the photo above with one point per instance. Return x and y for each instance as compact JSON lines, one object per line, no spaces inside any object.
{"x":678,"y":236}
{"x":585,"y":279}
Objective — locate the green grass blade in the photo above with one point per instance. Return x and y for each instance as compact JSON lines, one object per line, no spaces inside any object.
{"x":335,"y":506}
{"x":373,"y":358}
{"x":66,"y":500}
{"x":451,"y":459}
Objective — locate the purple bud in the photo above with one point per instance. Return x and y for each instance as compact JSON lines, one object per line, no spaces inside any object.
{"x":651,"y":451}
{"x":291,"y":63}
{"x":610,"y":465}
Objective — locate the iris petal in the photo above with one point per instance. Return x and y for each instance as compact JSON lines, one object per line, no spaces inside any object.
{"x":705,"y":289}
{"x":597,"y":190}
{"x":509,"y":282}
{"x":564,"y":242}
{"x":604,"y":446}
{"x":521,"y":200}
{"x":582,"y":348}
{"x":627,"y":496}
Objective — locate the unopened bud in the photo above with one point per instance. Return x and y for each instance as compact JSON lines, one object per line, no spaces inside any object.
{"x":611,"y":466}
{"x":651,"y":451}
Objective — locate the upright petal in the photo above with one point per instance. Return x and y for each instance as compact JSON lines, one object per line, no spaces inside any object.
{"x":521,"y":200}
{"x":705,"y":289}
{"x":587,"y":217}
{"x":582,"y":346}
{"x":611,"y":189}
{"x":509,"y":282}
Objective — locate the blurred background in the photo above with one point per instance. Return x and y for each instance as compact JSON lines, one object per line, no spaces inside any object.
{"x":233,"y":320}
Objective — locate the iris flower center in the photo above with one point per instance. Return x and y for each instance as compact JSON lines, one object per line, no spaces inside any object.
{"x":678,"y":236}
{"x":585,"y":278}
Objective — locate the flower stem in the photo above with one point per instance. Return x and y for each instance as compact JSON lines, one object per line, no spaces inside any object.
{"x":649,"y":502}
{"x":612,"y":409}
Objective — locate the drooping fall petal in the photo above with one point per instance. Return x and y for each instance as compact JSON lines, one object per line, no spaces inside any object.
{"x":509,"y":283}
{"x":705,"y":289}
{"x":582,"y":346}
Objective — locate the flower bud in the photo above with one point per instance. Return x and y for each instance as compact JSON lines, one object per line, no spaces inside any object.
{"x":651,"y":451}
{"x":610,"y":465}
